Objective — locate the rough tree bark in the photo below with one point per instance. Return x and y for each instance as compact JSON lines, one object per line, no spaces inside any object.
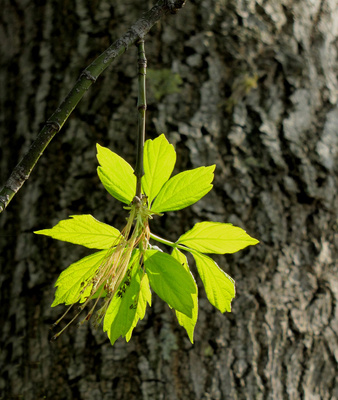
{"x":258,"y":97}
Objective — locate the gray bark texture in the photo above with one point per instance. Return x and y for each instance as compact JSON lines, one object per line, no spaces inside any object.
{"x":253,"y":88}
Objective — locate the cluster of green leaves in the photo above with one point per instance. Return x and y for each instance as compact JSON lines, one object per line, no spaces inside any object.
{"x":167,"y":275}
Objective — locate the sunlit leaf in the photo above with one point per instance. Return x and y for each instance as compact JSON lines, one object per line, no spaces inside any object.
{"x":184,"y":189}
{"x":74,"y":278}
{"x":170,"y":281}
{"x":219,"y":286}
{"x":159,"y":162}
{"x":121,"y":312}
{"x":185,"y":321}
{"x":215,"y":237}
{"x":116,"y":175}
{"x":143,"y":299}
{"x":84,"y":230}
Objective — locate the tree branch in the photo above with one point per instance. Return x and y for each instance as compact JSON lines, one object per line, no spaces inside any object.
{"x":54,"y":124}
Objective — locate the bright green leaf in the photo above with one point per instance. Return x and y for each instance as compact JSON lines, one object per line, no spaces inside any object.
{"x":159,"y":162}
{"x":143,"y":299}
{"x":74,"y":278}
{"x":121,"y":311}
{"x":84,"y":230}
{"x":215,"y":237}
{"x":187,"y":323}
{"x":116,"y":175}
{"x":184,"y":189}
{"x":219,"y":286}
{"x":170,"y":281}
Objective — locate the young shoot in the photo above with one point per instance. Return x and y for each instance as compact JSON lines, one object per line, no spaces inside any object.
{"x":119,"y":277}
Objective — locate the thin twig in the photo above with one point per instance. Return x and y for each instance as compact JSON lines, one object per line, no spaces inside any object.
{"x":54,"y":124}
{"x":141,"y":108}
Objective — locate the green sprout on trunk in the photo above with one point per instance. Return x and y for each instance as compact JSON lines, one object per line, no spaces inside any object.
{"x":119,"y":277}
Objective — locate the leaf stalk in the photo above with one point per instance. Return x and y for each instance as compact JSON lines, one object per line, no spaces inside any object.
{"x":169,"y":243}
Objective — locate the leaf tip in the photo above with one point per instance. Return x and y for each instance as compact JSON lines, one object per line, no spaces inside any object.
{"x":252,"y":241}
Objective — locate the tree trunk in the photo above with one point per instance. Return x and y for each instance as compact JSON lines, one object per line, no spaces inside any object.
{"x":256,"y":93}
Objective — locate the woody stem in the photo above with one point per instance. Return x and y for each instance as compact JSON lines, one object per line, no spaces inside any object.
{"x":141,"y":108}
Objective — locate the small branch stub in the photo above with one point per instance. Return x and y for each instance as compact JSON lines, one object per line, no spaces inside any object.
{"x":175,"y":5}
